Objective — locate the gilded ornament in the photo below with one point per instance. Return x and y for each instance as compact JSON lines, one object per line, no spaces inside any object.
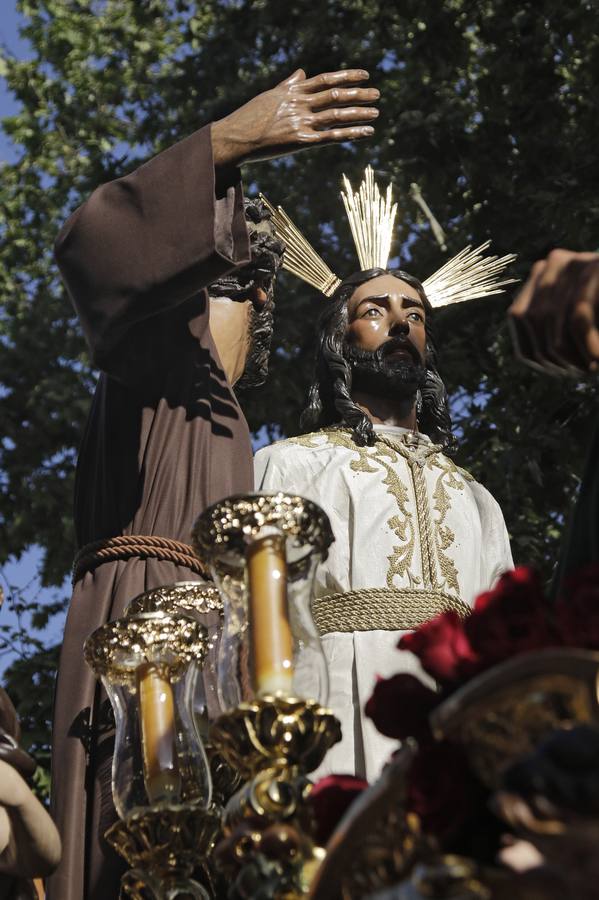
{"x":467,"y":276}
{"x":504,"y":713}
{"x":277,"y":733}
{"x":163,"y":845}
{"x":116,"y":649}
{"x":183,"y":596}
{"x":222,"y":532}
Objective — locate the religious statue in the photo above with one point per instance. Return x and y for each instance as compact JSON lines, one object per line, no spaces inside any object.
{"x":415,"y":535}
{"x":166,"y":436}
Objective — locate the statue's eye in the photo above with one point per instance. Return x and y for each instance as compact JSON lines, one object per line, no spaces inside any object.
{"x":371,"y":313}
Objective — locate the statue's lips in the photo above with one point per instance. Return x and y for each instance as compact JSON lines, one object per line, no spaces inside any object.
{"x":402,"y":351}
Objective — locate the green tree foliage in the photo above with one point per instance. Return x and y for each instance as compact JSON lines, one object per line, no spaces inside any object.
{"x":490,"y":106}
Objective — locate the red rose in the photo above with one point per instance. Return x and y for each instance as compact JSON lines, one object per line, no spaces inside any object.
{"x":400,"y":706}
{"x":513,"y":618}
{"x":330,"y":798}
{"x":442,"y":789}
{"x":577,"y":609}
{"x":443,"y":649}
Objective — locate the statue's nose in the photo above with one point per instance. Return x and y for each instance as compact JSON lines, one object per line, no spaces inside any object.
{"x":399,"y":326}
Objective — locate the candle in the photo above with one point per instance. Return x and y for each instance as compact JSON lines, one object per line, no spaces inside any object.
{"x":271,"y":641}
{"x":158,"y":736}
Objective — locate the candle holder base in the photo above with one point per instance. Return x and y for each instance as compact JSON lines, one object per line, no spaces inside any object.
{"x":164,"y":846}
{"x":283,"y":733}
{"x":273,"y":742}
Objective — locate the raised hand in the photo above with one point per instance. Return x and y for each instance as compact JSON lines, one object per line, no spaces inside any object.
{"x":555,"y":318}
{"x":297,"y":114}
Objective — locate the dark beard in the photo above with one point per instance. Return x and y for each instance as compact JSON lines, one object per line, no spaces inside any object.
{"x":377,"y":372}
{"x":260,"y":328}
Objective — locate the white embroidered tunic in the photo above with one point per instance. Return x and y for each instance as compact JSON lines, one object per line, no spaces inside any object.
{"x":405,"y":518}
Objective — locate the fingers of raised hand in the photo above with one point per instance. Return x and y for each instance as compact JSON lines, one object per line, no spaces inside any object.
{"x":343,"y":115}
{"x":531,"y":317}
{"x":553,"y":319}
{"x":335,"y":79}
{"x":337,"y":135}
{"x":340,"y":96}
{"x":570,"y":311}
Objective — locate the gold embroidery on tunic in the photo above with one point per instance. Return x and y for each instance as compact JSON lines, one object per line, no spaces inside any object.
{"x":438,"y":569}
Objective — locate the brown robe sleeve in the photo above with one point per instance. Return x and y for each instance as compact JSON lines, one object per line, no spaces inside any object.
{"x":145,"y":243}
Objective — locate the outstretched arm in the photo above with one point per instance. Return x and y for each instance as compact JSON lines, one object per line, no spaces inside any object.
{"x":145,"y":243}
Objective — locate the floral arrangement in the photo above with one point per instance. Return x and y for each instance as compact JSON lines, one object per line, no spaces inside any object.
{"x":514,"y":618}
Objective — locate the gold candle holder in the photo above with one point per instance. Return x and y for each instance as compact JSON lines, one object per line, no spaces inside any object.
{"x":202,"y":601}
{"x":160,"y":777}
{"x":274,"y":742}
{"x":164,"y":847}
{"x":263,"y":551}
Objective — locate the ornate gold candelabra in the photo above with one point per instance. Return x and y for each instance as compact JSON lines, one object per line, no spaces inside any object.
{"x":148,"y":663}
{"x":263,"y":551}
{"x":201,"y":601}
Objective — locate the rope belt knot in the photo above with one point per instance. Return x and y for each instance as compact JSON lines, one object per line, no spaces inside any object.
{"x":142,"y":546}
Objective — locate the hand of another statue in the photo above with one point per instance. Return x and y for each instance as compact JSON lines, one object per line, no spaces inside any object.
{"x":555,"y":317}
{"x":297,"y":114}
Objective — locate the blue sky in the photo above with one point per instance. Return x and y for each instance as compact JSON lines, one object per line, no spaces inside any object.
{"x":9,"y":37}
{"x":20,"y":573}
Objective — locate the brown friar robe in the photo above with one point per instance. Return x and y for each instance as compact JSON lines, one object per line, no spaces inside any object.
{"x":165,"y":438}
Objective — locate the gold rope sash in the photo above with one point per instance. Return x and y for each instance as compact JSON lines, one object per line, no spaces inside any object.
{"x":382,"y":609}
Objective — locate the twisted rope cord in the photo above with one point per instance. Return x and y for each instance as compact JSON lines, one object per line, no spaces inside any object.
{"x":382,"y":609}
{"x":424,"y":520}
{"x":142,"y":546}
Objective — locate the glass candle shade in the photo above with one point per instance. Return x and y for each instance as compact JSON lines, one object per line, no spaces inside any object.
{"x":148,"y":664}
{"x":263,"y":550}
{"x":201,"y":601}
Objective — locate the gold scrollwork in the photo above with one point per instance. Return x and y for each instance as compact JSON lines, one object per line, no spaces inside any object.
{"x":116,"y":649}
{"x":438,"y":571}
{"x":182,"y":596}
{"x":225,"y":527}
{"x":276,"y":732}
{"x":166,"y":841}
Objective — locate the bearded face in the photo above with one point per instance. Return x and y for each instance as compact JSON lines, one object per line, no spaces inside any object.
{"x":385,"y":339}
{"x":374,"y":338}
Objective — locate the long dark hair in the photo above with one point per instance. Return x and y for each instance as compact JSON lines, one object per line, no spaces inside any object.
{"x":330,"y":401}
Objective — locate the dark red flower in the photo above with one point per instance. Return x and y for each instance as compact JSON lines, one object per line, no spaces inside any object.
{"x":330,"y":798}
{"x":442,"y":789}
{"x":512,"y":618}
{"x":443,"y":649}
{"x":577,"y":609}
{"x":400,"y":706}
